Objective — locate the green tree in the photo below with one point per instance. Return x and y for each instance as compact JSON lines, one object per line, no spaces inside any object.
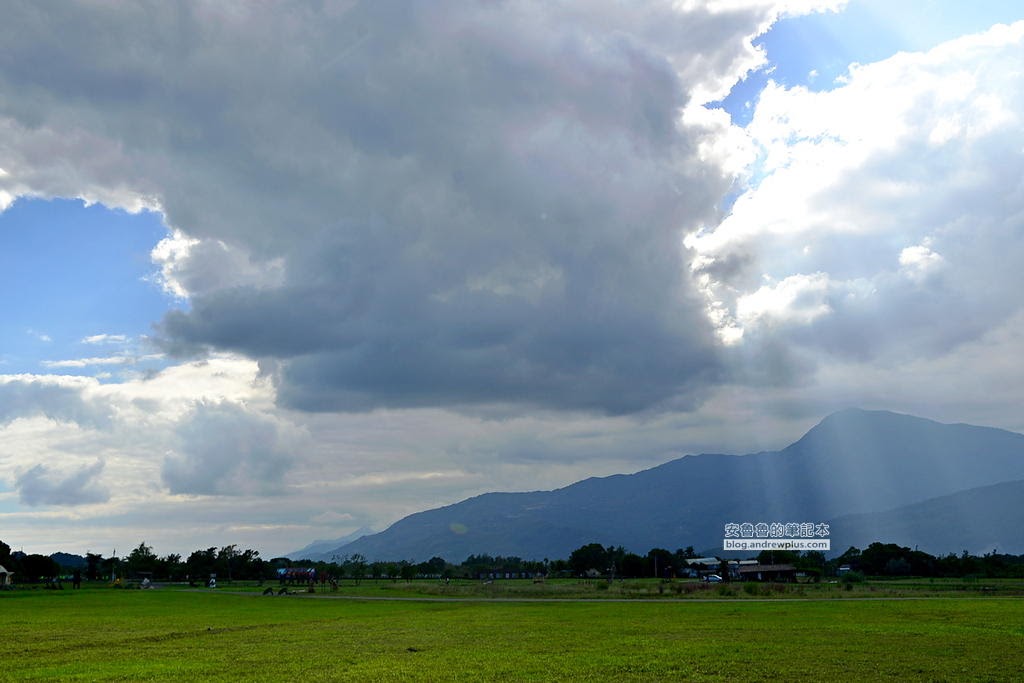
{"x":171,"y":567}
{"x":110,"y":568}
{"x":39,"y":567}
{"x":681,"y":556}
{"x":433,"y":567}
{"x":355,"y":566}
{"x":92,"y":566}
{"x":659,"y":563}
{"x":587,"y":557}
{"x":202,"y":563}
{"x":876,"y":558}
{"x":225,"y":560}
{"x":615,"y":557}
{"x":253,"y":565}
{"x":142,"y":559}
{"x":813,"y":563}
{"x":634,"y":566}
{"x":850,"y":558}
{"x":778,"y":556}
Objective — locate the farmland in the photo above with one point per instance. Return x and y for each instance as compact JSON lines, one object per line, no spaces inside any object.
{"x":169,"y":634}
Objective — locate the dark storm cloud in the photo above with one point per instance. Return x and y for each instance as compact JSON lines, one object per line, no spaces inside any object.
{"x":403,"y":203}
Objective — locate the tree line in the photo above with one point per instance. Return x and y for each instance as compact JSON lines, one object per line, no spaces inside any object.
{"x":890,"y":559}
{"x":233,"y":563}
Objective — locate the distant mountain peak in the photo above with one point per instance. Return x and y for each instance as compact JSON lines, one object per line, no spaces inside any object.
{"x":862,"y":415}
{"x":853,"y":461}
{"x":324,"y":548}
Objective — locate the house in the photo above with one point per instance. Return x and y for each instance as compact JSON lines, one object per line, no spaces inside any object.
{"x":768,"y":572}
{"x":702,"y":566}
{"x":6,"y":577}
{"x":736,"y":565}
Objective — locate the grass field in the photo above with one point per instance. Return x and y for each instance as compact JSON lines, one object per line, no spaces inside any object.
{"x":652,"y":589}
{"x":107,"y":634}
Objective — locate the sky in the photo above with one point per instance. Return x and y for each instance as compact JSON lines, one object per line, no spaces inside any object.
{"x":273,"y":273}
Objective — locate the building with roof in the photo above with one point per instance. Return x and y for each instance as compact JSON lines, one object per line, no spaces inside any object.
{"x":768,"y":572}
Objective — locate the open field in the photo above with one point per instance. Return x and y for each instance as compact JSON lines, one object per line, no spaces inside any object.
{"x":106,"y":634}
{"x":652,"y":589}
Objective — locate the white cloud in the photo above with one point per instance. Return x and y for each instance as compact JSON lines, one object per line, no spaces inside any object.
{"x":331,"y":517}
{"x":799,"y":299}
{"x":191,"y":267}
{"x":919,"y":262}
{"x":62,"y":399}
{"x":171,"y":254}
{"x":225,"y":449}
{"x":86,"y":362}
{"x":38,"y":335}
{"x":41,"y":485}
{"x":916,"y":150}
{"x":105,"y":339}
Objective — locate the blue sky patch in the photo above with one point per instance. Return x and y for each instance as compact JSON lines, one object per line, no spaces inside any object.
{"x":76,"y":283}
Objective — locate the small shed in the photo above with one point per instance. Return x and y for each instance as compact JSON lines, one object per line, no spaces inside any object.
{"x":5,"y":577}
{"x":768,"y":572}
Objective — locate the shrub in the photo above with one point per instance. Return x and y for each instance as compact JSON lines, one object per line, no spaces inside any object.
{"x":852,"y":577}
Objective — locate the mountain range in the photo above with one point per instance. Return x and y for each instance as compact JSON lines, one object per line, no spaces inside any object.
{"x":325,"y":549}
{"x":871,"y":475}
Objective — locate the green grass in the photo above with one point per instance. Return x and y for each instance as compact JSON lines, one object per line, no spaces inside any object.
{"x":106,"y":634}
{"x":649,"y":589}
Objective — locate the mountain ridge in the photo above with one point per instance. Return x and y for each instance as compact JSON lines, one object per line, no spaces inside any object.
{"x":852,"y":462}
{"x":327,"y":546}
{"x":977,"y":520}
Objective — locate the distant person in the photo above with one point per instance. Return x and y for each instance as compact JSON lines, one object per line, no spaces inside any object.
{"x":76,"y":579}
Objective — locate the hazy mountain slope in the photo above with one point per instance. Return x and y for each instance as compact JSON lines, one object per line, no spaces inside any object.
{"x":324,"y":549}
{"x":872,"y":461}
{"x":978,"y":520}
{"x":854,"y":461}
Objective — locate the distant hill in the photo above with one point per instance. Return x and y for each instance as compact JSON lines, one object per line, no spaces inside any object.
{"x":980,"y":520}
{"x":854,"y":461}
{"x":69,"y":561}
{"x":325,"y":550}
